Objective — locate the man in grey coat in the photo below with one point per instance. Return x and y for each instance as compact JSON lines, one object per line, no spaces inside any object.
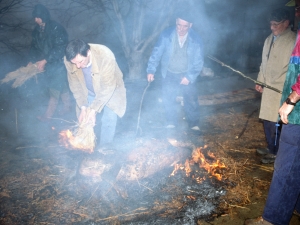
{"x":275,"y":58}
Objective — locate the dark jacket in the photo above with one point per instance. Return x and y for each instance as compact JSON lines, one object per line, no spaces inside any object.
{"x":49,"y":44}
{"x":163,"y":48}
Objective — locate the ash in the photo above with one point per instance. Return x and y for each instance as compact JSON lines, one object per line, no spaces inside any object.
{"x":161,"y":200}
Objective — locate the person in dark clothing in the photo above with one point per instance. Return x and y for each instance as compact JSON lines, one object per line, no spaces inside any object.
{"x":49,"y":40}
{"x":180,"y":53}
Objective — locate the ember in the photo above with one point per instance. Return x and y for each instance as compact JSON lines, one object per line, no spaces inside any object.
{"x":82,"y":138}
{"x":215,"y":169}
{"x":71,"y":141}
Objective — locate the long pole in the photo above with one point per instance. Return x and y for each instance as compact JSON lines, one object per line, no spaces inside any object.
{"x":255,"y":81}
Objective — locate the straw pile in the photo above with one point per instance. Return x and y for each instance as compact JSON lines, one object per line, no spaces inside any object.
{"x":21,"y":75}
{"x":82,"y":138}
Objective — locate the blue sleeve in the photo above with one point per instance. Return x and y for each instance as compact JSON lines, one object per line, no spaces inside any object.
{"x":197,"y":60}
{"x":156,"y":55}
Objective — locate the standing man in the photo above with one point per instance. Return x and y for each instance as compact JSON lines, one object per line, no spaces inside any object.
{"x":179,"y":50}
{"x":49,"y":40}
{"x":283,"y":198}
{"x":96,"y":82}
{"x":275,"y":58}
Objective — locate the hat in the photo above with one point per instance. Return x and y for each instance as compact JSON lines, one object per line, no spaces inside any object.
{"x":279,"y":15}
{"x":40,"y":11}
{"x":185,"y":16}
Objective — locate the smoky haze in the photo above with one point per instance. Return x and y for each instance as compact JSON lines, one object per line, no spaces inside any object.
{"x":233,"y":31}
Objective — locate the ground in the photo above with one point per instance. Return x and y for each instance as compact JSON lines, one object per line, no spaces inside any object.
{"x":37,"y":173}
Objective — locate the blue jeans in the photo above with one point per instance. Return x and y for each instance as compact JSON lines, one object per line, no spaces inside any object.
{"x":272,"y":138}
{"x":171,"y":87}
{"x":108,"y":124}
{"x":283,"y":196}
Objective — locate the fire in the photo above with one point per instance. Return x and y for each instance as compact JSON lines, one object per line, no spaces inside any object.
{"x":199,"y":159}
{"x":67,"y":139}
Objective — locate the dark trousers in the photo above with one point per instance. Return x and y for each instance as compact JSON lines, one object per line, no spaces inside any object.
{"x":271,"y":136}
{"x":283,"y":196}
{"x":171,"y":88}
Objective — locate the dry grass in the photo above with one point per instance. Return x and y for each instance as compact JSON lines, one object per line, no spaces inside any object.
{"x":21,"y":75}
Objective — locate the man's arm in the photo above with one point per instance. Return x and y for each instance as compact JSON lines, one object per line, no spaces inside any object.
{"x":286,"y":109}
{"x":155,"y":57}
{"x":294,"y":97}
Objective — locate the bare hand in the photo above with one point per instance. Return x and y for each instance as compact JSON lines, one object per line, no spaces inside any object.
{"x":284,"y":111}
{"x":82,"y":115}
{"x":150,"y":77}
{"x":185,"y":81}
{"x":91,"y":117}
{"x":41,"y":65}
{"x":259,"y":88}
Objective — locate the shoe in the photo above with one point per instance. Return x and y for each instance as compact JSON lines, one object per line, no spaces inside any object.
{"x":170,"y":126}
{"x":257,"y":221}
{"x":262,"y":151}
{"x":195,"y":128}
{"x":268,"y":158}
{"x":107,"y":149}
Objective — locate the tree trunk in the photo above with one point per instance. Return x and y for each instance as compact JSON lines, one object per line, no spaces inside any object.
{"x":137,"y":66}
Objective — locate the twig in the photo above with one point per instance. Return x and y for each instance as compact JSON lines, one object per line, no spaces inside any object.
{"x":246,"y":124}
{"x":131,"y":213}
{"x":255,"y":81}
{"x":237,"y":206}
{"x":92,"y":194}
{"x":139,"y":116}
{"x":143,"y":185}
{"x":33,"y":146}
{"x":16,"y":113}
{"x":64,"y":120}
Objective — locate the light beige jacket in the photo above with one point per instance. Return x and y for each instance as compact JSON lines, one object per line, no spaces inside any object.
{"x":273,"y":72}
{"x":107,"y":82}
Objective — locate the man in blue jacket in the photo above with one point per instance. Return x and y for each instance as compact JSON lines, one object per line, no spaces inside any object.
{"x":179,"y":50}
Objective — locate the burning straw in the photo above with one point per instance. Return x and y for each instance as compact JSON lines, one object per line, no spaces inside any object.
{"x":21,"y":75}
{"x":82,"y":138}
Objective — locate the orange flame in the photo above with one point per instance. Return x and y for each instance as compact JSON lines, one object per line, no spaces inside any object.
{"x":198,"y":157}
{"x":69,"y":141}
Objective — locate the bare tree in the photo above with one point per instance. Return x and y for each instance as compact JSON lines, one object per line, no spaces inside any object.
{"x":137,"y":24}
{"x":12,"y":28}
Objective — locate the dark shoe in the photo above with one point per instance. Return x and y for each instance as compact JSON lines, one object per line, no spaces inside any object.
{"x":268,"y":158}
{"x":257,"y":221}
{"x":262,"y":151}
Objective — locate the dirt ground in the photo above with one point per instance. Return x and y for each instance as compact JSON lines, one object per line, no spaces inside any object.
{"x":29,"y":151}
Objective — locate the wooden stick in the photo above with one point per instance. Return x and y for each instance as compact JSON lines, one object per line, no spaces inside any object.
{"x":92,"y":194}
{"x":245,"y":125}
{"x":16,"y":114}
{"x":144,"y":185}
{"x":138,"y":128}
{"x":255,"y":81}
{"x":34,"y":146}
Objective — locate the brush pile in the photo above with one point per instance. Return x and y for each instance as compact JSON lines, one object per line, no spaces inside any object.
{"x":81,"y":138}
{"x":21,"y":75}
